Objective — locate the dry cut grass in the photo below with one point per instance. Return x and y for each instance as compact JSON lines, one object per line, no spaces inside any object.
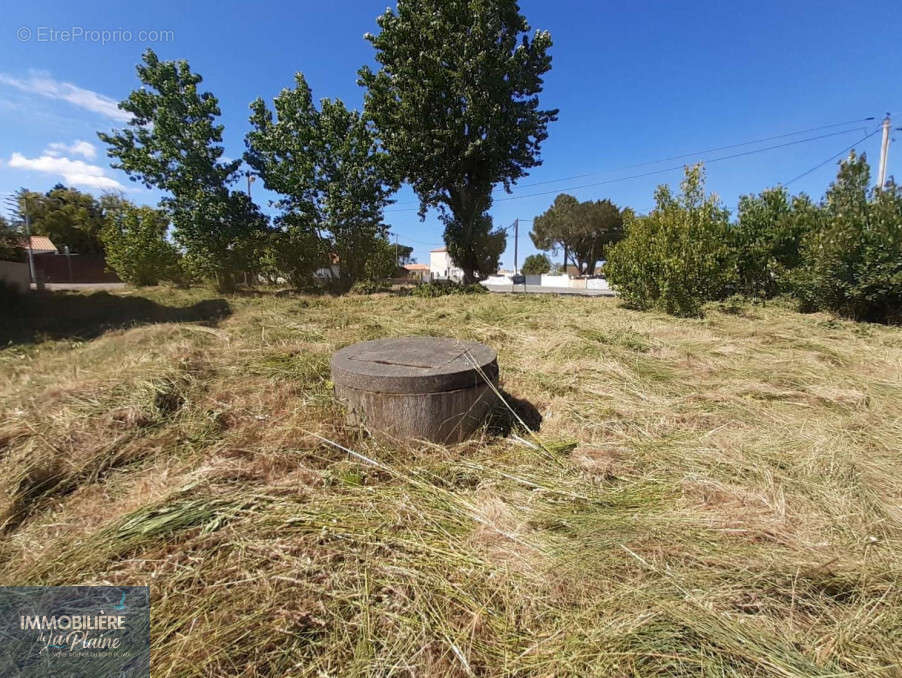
{"x":704,"y":497}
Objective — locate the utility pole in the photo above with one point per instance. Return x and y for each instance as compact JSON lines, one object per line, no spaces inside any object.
{"x":516,"y":238}
{"x":884,"y":152}
{"x":28,"y":239}
{"x":250,"y":179}
{"x":19,"y":207}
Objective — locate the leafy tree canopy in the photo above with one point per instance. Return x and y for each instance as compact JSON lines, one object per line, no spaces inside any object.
{"x":136,"y":244}
{"x":173,"y":142}
{"x":852,"y":259}
{"x":768,"y":238}
{"x":67,"y":216}
{"x":329,"y":170}
{"x":456,"y":103}
{"x":9,"y":240}
{"x":536,"y":264}
{"x":582,"y":229}
{"x":679,"y":256}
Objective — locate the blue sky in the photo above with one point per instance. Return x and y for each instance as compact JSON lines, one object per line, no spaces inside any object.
{"x":635,"y":83}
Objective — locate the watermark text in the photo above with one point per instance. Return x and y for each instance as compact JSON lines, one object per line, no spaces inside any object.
{"x":99,"y":36}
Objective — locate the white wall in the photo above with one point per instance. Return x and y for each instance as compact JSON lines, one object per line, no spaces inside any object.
{"x":555,"y":280}
{"x":441,"y":267}
{"x":597,"y":284}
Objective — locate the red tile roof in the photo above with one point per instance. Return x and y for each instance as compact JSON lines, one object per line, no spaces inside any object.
{"x":440,"y":249}
{"x":416,"y":267}
{"x":40,"y":243}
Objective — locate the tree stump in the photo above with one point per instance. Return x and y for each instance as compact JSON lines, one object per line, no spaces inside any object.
{"x":417,"y":387}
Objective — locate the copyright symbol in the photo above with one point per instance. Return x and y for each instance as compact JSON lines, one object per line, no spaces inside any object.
{"x":23,"y":34}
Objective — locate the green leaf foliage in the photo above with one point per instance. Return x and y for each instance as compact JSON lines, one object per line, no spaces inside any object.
{"x":536,"y":264}
{"x":455,"y":100}
{"x":10,"y":241}
{"x":768,"y":239}
{"x":853,"y":257}
{"x":330,"y":172}
{"x":382,"y":262}
{"x":679,"y":256}
{"x":583,"y":229}
{"x":136,"y":245}
{"x":172,"y":142}
{"x":67,"y":216}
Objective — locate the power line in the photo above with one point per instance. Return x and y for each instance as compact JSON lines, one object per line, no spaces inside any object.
{"x":677,"y":157}
{"x":676,"y":167}
{"x":696,"y":153}
{"x":832,"y":157}
{"x":670,"y":169}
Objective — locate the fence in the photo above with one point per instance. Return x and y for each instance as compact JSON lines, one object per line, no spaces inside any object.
{"x":74,"y":268}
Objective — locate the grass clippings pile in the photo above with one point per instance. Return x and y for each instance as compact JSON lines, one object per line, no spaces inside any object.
{"x":718,"y":496}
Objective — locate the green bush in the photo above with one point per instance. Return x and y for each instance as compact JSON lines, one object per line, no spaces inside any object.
{"x":137,"y":248}
{"x":368,"y":287}
{"x":293,"y":253}
{"x":536,"y":264}
{"x":441,"y":288}
{"x":679,"y":256}
{"x":852,"y":260}
{"x":767,"y":239}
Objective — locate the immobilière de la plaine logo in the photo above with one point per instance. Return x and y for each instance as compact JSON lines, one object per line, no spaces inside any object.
{"x":75,"y":630}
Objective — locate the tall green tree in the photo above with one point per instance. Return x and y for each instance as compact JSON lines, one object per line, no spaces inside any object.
{"x":10,"y":240}
{"x":67,"y":216}
{"x":172,"y":142}
{"x":328,"y":168}
{"x":455,"y":100}
{"x":584,"y":230}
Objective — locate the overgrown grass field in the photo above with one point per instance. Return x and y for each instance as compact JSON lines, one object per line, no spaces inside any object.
{"x":705,"y":497}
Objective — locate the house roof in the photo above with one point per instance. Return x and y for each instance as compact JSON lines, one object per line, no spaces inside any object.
{"x":440,"y":249}
{"x":416,"y":267}
{"x":38,"y":242}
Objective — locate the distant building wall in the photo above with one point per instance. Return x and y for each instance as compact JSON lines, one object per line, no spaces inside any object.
{"x":442,"y":268}
{"x":15,"y":274}
{"x":555,"y":281}
{"x":597,"y":284}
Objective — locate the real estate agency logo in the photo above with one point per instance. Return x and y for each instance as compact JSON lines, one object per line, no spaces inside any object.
{"x":75,"y":631}
{"x":94,"y":635}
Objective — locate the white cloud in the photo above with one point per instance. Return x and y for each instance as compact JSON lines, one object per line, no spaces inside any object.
{"x":45,"y":86}
{"x":78,"y":147}
{"x":75,"y":172}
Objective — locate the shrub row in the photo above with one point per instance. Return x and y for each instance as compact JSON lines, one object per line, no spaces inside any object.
{"x":842,"y":255}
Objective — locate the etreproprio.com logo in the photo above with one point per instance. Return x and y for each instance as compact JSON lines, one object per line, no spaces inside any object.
{"x":99,"y":36}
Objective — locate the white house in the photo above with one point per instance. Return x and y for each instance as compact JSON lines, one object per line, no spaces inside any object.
{"x":441,"y":267}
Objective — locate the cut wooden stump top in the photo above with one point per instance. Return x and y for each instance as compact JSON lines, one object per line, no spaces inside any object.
{"x":414,"y":365}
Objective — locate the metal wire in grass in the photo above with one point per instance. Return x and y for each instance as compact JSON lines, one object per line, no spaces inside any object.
{"x":357,"y":455}
{"x":453,"y":498}
{"x":538,"y":445}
